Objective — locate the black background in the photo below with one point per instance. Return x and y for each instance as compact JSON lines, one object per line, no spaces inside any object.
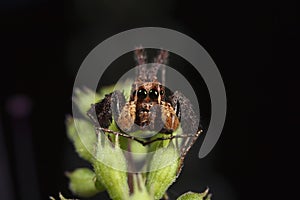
{"x":253,"y":44}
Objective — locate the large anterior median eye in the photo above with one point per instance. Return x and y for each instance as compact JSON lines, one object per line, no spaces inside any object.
{"x":153,"y":94}
{"x":142,"y":93}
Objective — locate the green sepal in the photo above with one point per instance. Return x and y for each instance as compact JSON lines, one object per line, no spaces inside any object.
{"x":195,"y":196}
{"x":139,"y":189}
{"x":163,"y":170}
{"x":110,"y":167}
{"x":82,"y":183}
{"x":98,"y":184}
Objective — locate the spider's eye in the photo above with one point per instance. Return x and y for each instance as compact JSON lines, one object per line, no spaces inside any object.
{"x":162,"y":92}
{"x":142,"y":93}
{"x":153,"y":94}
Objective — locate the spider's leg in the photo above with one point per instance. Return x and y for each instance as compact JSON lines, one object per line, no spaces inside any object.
{"x":91,"y":113}
{"x":140,"y":56}
{"x":161,"y":58}
{"x":117,"y":103}
{"x":188,"y":120}
{"x":163,"y":75}
{"x":103,"y":112}
{"x":142,"y":142}
{"x":121,"y":134}
{"x":141,"y":60}
{"x":100,"y":113}
{"x":170,"y":137}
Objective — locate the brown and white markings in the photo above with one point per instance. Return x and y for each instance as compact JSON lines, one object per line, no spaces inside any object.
{"x":151,"y":107}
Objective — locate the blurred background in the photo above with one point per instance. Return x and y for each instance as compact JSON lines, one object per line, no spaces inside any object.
{"x":43,"y":43}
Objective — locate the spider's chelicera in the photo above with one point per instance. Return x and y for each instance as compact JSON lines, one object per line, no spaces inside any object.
{"x":151,"y":107}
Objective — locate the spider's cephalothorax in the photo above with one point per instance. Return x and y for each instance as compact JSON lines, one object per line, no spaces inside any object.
{"x":147,"y":107}
{"x":151,"y":105}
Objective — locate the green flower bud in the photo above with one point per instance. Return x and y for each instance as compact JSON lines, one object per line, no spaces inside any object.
{"x":110,"y":167}
{"x":82,"y":183}
{"x":195,"y":196}
{"x":163,"y":170}
{"x":84,"y":98}
{"x":83,"y":138}
{"x":98,"y":184}
{"x":139,"y":189}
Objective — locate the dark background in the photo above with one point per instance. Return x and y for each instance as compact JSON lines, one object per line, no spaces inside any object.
{"x":253,"y":44}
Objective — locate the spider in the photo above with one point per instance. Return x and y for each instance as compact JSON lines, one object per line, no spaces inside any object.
{"x":151,"y":107}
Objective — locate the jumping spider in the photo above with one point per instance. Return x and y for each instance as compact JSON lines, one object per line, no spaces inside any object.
{"x":151,"y":106}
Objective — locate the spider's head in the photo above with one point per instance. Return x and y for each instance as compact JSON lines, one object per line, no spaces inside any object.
{"x":147,"y":92}
{"x":146,"y":96}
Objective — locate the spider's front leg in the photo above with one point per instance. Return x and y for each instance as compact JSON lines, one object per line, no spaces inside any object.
{"x":109,"y":108}
{"x":188,"y":120}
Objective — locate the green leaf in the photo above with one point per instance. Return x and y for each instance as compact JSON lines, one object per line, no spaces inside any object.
{"x":163,"y":170}
{"x":82,"y":183}
{"x":195,"y":196}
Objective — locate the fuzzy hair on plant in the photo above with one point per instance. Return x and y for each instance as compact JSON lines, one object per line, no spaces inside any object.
{"x":112,"y":125}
